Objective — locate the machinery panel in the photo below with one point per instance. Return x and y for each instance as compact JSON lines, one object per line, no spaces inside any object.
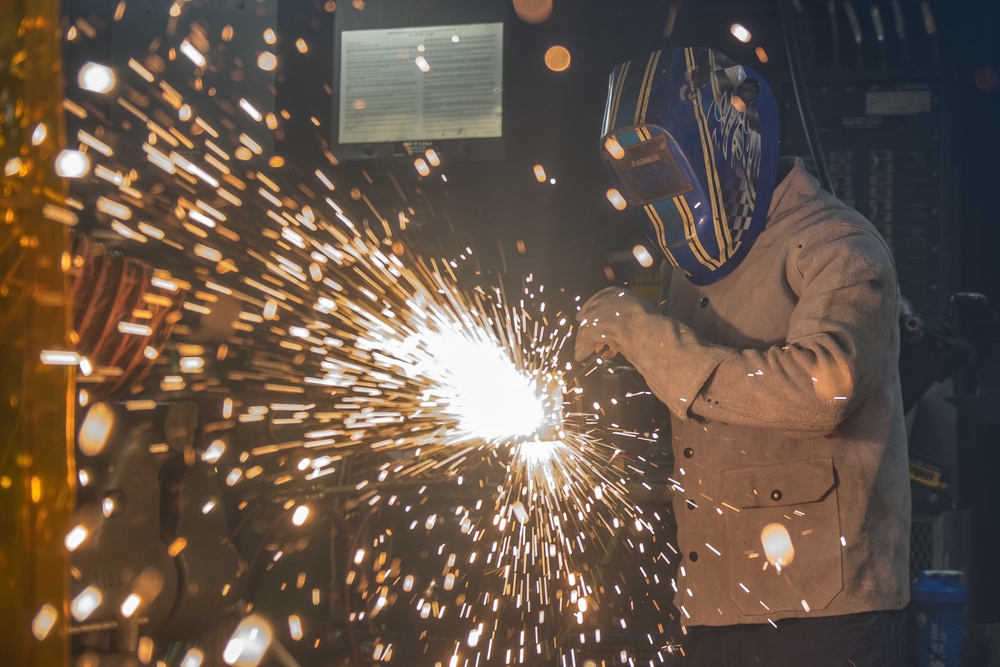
{"x":886,"y":144}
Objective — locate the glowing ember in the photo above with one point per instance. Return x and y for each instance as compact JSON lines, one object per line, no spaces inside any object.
{"x":96,"y":78}
{"x":777,"y":545}
{"x":84,"y":604}
{"x":249,"y":642}
{"x":44,"y":621}
{"x":96,"y":428}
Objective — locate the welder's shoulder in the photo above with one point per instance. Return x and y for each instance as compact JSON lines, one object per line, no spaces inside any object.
{"x":821,"y":235}
{"x":803,"y":212}
{"x":837,"y":246}
{"x":802,"y":209}
{"x":834,"y":226}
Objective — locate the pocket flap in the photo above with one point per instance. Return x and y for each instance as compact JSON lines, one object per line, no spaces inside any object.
{"x":778,"y":484}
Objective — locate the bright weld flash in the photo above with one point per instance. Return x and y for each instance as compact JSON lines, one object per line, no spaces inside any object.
{"x":491,"y":398}
{"x":538,"y":453}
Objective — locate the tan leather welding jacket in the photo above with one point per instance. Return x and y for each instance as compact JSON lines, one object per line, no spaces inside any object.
{"x":792,"y":492}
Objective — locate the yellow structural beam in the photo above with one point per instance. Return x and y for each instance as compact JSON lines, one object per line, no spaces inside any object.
{"x":36,"y":413}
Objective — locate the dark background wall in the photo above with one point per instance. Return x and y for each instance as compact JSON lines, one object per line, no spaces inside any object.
{"x":569,"y":230}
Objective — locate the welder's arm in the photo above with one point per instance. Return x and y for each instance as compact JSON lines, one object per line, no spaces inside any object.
{"x":840,"y":338}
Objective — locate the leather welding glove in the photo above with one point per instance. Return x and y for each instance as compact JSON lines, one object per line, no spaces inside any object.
{"x":675,"y":363}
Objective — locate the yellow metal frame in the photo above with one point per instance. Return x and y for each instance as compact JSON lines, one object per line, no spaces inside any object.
{"x":37,"y":470}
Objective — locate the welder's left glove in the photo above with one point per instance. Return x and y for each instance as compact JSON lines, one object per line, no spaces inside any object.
{"x":675,"y":363}
{"x":607,"y":318}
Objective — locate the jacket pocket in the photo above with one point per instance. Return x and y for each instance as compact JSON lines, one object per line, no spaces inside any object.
{"x":783,"y":536}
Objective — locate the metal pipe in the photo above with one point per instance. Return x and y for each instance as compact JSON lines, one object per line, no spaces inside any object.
{"x":281,"y":655}
{"x":103,"y":626}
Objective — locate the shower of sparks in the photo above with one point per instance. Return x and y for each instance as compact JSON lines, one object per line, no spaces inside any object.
{"x":341,"y":346}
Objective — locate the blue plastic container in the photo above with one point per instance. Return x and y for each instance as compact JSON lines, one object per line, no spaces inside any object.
{"x":937,"y":618}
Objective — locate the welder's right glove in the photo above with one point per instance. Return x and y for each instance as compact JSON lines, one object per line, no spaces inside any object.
{"x":675,"y":363}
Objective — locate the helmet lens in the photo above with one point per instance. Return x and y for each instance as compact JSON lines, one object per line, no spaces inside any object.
{"x":647,"y":171}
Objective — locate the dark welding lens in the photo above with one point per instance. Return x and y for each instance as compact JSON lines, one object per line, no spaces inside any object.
{"x":648,"y":172}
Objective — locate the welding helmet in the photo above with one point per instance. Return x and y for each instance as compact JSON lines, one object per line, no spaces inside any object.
{"x":691,"y":145}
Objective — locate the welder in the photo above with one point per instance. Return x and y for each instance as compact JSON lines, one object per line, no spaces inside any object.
{"x":775,"y":349}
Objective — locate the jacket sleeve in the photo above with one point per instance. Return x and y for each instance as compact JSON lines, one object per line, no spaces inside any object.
{"x":842,"y":333}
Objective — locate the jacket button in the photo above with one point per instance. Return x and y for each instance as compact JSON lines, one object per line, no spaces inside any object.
{"x":688,"y":452}
{"x":693,"y":556}
{"x":703,"y":301}
{"x":776,"y":495}
{"x":691,"y":504}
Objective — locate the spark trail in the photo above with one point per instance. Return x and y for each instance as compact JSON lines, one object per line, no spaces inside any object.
{"x":340,"y":345}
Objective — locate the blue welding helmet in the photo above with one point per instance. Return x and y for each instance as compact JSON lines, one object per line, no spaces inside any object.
{"x":691,"y":144}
